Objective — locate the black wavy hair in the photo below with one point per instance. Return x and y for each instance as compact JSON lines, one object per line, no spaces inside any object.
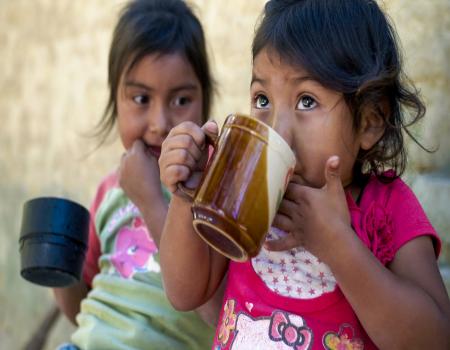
{"x":349,"y":46}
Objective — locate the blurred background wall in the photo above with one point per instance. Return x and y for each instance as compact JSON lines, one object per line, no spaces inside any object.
{"x":53,"y":56}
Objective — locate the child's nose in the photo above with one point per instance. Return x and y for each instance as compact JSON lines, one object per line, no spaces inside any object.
{"x":282,"y":124}
{"x":158,"y":121}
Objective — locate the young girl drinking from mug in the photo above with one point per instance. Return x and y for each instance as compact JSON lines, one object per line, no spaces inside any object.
{"x":158,"y":78}
{"x":351,"y":260}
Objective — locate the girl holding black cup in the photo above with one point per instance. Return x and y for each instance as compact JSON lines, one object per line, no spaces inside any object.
{"x":158,"y":78}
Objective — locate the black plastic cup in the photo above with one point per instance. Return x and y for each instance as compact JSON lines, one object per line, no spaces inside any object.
{"x":53,"y":241}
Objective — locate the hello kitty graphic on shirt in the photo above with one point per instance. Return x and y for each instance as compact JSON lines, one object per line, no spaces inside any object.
{"x":290,"y":301}
{"x":280,"y":331}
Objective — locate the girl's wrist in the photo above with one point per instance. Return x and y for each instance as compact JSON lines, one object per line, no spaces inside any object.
{"x":149,"y":201}
{"x":156,"y":211}
{"x":339,"y":245}
{"x":180,"y":199}
{"x":343,"y":250}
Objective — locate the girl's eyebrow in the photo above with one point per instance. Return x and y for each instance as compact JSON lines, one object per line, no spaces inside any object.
{"x":303,"y":78}
{"x":186,"y":86}
{"x":256,"y":80}
{"x":296,"y":80}
{"x":132,"y":83}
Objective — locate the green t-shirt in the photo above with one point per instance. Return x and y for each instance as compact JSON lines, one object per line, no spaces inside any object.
{"x":127,"y":307}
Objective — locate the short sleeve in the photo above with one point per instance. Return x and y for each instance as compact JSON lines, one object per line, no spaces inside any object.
{"x":91,"y":268}
{"x":407,"y":217}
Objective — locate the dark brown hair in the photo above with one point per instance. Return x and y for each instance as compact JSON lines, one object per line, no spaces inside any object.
{"x":147,"y":27}
{"x":351,"y":47}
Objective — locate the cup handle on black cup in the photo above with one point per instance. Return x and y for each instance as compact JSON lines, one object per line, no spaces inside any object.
{"x":189,"y":193}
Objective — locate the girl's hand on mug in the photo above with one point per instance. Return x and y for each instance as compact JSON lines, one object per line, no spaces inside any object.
{"x":184,"y":155}
{"x":313,"y":217}
{"x":139,"y":175}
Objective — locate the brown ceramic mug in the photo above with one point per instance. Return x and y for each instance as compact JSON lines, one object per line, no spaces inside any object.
{"x":242,"y":187}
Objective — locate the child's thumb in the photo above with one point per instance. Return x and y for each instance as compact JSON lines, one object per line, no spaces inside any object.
{"x":211,"y":131}
{"x":332,"y":173}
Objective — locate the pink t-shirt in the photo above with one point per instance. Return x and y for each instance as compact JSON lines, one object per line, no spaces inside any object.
{"x":291,"y":300}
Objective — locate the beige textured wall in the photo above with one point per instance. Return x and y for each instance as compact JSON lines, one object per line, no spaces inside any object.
{"x":424,"y":28}
{"x":53,"y":88}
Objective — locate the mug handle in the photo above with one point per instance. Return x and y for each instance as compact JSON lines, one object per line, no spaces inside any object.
{"x":210,"y":140}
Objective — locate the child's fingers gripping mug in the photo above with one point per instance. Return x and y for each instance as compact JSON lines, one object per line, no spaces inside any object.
{"x":242,"y":187}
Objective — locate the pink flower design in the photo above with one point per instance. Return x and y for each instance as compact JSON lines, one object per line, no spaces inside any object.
{"x":228,"y":323}
{"x":133,"y":249}
{"x":343,"y":340}
{"x":378,"y":228}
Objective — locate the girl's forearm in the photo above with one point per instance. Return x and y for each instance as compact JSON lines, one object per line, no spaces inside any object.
{"x":395,"y":312}
{"x":154,"y":215}
{"x":69,"y":299}
{"x":191,"y":271}
{"x":210,"y":311}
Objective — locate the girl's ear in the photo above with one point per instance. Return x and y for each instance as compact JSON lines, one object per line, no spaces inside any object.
{"x":373,"y":125}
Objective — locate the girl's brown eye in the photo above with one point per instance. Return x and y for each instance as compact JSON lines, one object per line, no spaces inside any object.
{"x":261,"y":101}
{"x":181,"y":101}
{"x":141,"y":99}
{"x":306,"y":102}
